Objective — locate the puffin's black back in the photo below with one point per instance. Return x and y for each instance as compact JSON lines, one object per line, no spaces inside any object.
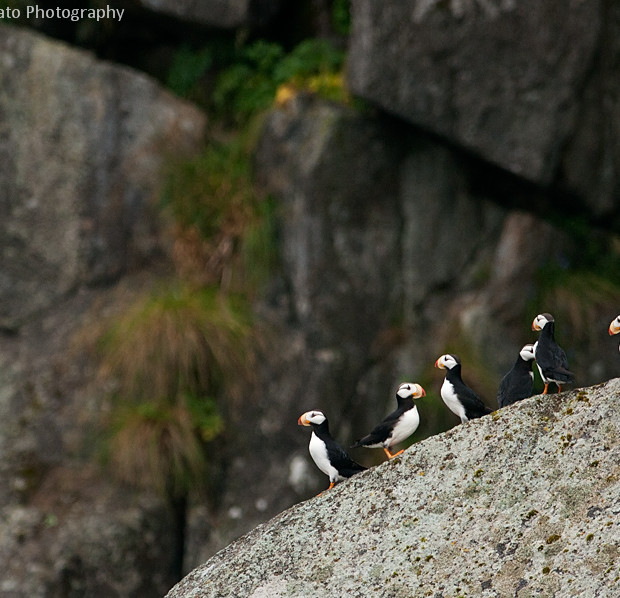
{"x":382,"y":431}
{"x":551,"y":358}
{"x":473,"y":404}
{"x":337,"y":456}
{"x":517,"y":384}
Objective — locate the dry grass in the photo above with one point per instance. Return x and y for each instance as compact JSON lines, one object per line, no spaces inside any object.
{"x":156,"y":446}
{"x":180,"y":341}
{"x":213,"y":203}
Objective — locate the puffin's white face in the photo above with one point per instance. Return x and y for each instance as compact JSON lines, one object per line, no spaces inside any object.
{"x":410,"y":389}
{"x":311,"y":417}
{"x":540,"y":320}
{"x":447,"y":362}
{"x":527,"y":353}
{"x":614,"y":327}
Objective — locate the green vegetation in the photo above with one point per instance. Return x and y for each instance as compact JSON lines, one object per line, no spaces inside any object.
{"x":247,"y":78}
{"x":225,"y":229}
{"x":183,"y":355}
{"x":172,"y":353}
{"x":251,"y":83}
{"x":187,"y":69}
{"x":341,"y":16}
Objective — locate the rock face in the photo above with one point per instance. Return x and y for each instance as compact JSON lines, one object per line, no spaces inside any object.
{"x":89,"y":539}
{"x":430,"y":63}
{"x":81,"y":147}
{"x":77,"y":177}
{"x":522,"y":502}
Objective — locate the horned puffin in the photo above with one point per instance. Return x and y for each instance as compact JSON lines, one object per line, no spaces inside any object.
{"x":457,"y":396}
{"x":614,"y":327}
{"x":328,"y":455}
{"x":550,"y":357}
{"x":399,"y":424}
{"x":517,"y":384}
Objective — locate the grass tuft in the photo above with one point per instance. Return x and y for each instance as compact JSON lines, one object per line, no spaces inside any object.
{"x":180,"y":340}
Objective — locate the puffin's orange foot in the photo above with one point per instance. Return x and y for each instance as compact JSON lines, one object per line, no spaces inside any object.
{"x":390,"y":455}
{"x":331,"y":485}
{"x":546,"y":389}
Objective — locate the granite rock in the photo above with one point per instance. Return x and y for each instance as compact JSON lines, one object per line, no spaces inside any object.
{"x":521,"y":502}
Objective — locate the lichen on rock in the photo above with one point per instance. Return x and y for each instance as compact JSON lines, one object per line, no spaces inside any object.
{"x":520,"y":504}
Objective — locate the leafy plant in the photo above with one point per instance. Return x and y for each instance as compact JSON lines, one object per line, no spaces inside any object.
{"x":250,"y":85}
{"x":187,"y":69}
{"x":310,"y":57}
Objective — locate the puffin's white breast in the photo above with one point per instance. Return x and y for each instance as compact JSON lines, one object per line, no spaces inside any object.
{"x":450,"y":398}
{"x":318,"y":452}
{"x":405,"y":427}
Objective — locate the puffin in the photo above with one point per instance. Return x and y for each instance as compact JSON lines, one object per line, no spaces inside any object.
{"x":517,"y":384}
{"x":550,"y":357}
{"x":457,"y":396}
{"x":328,"y":455}
{"x":614,"y":328}
{"x":399,"y":424}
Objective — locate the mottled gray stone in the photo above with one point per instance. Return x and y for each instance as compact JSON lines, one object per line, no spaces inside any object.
{"x":502,"y":78}
{"x":91,"y":538}
{"x":522,"y":502}
{"x":81,"y":147}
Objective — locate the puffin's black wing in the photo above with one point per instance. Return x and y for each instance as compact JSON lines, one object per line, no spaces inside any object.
{"x":516,"y":385}
{"x":474,"y":407}
{"x":381,"y":431}
{"x":340,"y":459}
{"x":553,"y":362}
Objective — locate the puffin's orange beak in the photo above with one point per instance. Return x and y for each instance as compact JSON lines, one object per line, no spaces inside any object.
{"x":535,"y":326}
{"x":302,"y":421}
{"x":439,"y":365}
{"x":613,"y":328}
{"x":422,"y":392}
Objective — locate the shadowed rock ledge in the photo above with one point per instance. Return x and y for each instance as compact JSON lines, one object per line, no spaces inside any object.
{"x":522,"y":502}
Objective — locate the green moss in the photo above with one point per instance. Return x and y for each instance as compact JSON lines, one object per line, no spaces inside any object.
{"x":553,"y":538}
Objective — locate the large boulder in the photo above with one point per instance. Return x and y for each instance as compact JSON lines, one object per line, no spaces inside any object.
{"x":522,"y":502}
{"x":530,"y":86}
{"x":82,"y":143}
